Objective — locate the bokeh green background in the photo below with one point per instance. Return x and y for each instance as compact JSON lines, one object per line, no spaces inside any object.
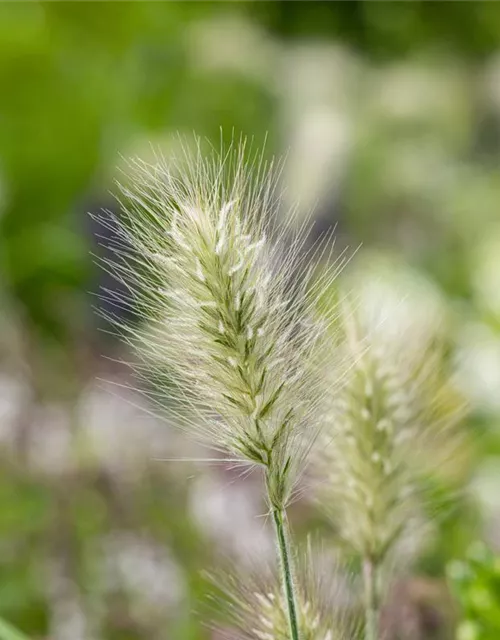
{"x":390,"y":113}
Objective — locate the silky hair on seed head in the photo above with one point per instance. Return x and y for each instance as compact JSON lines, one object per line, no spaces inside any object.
{"x":227,"y":285}
{"x":256,"y":609}
{"x":393,"y":423}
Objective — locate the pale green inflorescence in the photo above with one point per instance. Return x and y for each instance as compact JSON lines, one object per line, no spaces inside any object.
{"x":228,"y":295}
{"x":257,"y":608}
{"x":392,"y":423}
{"x":271,"y":623}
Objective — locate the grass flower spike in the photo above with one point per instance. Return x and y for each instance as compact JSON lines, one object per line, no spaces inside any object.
{"x":229,"y":296}
{"x":258,"y":610}
{"x":386,"y":426}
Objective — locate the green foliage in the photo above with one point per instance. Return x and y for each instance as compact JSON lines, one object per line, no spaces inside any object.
{"x":476,"y":583}
{"x":8,"y":632}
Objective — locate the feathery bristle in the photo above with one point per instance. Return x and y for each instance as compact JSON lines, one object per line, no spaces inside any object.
{"x":228,"y":295}
{"x":382,"y":429}
{"x":325,"y":603}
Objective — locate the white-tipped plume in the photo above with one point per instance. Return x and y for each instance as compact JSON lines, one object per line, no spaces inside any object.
{"x":393,"y":416}
{"x":326,"y":608}
{"x":390,"y":423}
{"x":229,"y":300}
{"x":232,"y":309}
{"x":229,"y":303}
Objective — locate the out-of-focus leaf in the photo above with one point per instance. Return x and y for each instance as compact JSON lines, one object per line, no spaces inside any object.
{"x":8,"y":632}
{"x":476,"y":584}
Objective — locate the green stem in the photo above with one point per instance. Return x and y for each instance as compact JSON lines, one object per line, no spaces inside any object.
{"x":372,"y":600}
{"x":281,"y":525}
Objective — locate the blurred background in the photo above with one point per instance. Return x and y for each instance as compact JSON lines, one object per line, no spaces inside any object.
{"x":390,"y":116}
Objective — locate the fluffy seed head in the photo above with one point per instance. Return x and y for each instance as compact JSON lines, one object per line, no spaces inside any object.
{"x":271,"y":621}
{"x":391,"y":424}
{"x":229,"y":299}
{"x":325,"y":604}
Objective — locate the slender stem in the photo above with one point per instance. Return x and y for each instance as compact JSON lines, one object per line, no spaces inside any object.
{"x":281,"y":525}
{"x":372,"y":600}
